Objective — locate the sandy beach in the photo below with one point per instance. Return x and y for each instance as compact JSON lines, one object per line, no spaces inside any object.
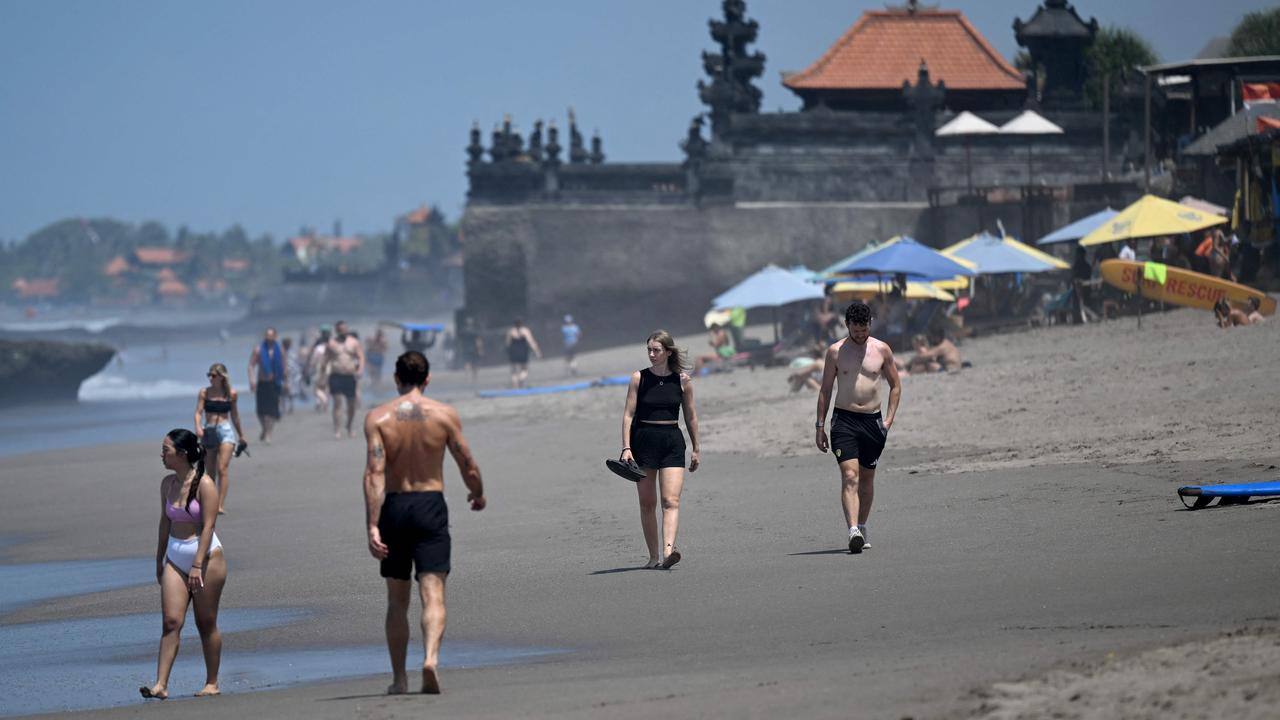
{"x":1030,"y":557}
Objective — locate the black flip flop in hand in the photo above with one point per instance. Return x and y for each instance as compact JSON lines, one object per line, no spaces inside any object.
{"x":242,"y":447}
{"x":627,"y":470}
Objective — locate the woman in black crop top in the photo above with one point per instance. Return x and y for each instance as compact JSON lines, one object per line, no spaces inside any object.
{"x":651,"y":436}
{"x":218,"y":413}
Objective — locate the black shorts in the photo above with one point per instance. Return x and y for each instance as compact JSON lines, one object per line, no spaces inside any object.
{"x":860,"y":435}
{"x":342,"y":384}
{"x":415,"y":528}
{"x":657,"y":446}
{"x":267,"y":398}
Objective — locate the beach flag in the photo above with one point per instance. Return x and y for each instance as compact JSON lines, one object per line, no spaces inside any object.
{"x":1155,"y":272}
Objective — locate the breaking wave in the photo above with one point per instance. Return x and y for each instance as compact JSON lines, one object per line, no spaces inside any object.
{"x":108,"y":387}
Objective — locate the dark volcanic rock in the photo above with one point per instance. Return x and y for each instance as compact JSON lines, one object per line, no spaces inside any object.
{"x":42,"y":371}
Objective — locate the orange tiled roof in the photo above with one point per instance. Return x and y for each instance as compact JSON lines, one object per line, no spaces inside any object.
{"x":885,"y":47}
{"x":159,"y":256}
{"x":345,"y":245}
{"x":173,"y":288}
{"x":36,"y":287}
{"x":419,"y":216}
{"x":235,"y":264}
{"x":117,"y":266}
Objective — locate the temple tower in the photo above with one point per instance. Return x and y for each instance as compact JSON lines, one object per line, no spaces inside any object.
{"x":732,"y":69}
{"x":1057,"y":39}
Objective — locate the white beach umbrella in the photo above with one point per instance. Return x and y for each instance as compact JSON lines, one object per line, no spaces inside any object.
{"x":1030,"y":123}
{"x":966,"y":124}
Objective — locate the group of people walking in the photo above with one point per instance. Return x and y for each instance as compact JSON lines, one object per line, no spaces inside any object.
{"x":407,"y":518}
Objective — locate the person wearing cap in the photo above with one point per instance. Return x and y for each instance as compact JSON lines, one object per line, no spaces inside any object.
{"x":572,"y":334}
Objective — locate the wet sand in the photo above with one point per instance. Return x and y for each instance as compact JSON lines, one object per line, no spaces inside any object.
{"x":1026,"y":539}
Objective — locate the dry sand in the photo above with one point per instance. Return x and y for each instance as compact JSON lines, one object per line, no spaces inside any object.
{"x":1029,"y":554}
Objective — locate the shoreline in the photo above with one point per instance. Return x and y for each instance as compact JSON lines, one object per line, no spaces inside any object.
{"x":1002,"y":553}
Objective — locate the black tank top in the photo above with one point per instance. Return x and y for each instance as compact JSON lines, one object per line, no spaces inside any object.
{"x":220,"y":407}
{"x":658,"y":399}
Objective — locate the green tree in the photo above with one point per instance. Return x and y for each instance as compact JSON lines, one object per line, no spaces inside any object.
{"x":1116,"y":52}
{"x":1257,"y":34}
{"x":1023,"y":62}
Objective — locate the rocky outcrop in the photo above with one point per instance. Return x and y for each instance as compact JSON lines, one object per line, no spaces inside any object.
{"x":42,"y":371}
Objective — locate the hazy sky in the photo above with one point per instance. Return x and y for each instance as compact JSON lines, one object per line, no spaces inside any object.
{"x":282,"y":113}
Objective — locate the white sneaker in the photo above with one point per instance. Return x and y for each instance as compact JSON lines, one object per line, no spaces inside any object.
{"x":856,"y":541}
{"x":866,"y":538}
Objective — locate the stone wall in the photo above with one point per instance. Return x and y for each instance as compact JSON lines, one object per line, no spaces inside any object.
{"x":624,"y":270}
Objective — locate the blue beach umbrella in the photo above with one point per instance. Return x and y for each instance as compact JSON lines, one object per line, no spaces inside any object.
{"x":770,"y":287}
{"x":834,"y":268}
{"x":1079,"y":228}
{"x":992,"y":255}
{"x":906,"y":257}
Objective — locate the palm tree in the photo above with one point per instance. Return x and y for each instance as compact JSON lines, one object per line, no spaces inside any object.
{"x":1115,"y":52}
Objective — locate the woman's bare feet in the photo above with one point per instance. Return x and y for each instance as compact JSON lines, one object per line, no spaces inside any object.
{"x":398,"y":686}
{"x":653,"y":564}
{"x":209,"y":690}
{"x":430,"y":681}
{"x":155,"y":692}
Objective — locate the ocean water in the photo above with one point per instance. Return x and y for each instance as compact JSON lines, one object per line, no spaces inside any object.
{"x":143,"y":393}
{"x":147,"y":390}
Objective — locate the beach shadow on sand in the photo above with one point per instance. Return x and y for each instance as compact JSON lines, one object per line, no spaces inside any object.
{"x":629,"y":568}
{"x":832,"y":551}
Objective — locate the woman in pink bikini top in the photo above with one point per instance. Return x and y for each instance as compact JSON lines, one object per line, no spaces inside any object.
{"x":190,"y":566}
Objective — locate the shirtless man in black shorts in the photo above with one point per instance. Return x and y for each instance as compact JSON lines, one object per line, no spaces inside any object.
{"x":858,"y":433}
{"x":408,"y":522}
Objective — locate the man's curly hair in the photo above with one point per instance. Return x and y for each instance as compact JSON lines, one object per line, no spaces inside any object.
{"x":858,"y":313}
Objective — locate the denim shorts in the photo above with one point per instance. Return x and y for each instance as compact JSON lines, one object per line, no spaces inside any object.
{"x":220,"y":434}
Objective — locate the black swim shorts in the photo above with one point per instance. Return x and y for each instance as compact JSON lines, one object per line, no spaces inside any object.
{"x":342,"y":384}
{"x":415,"y":528}
{"x":267,"y":397}
{"x":657,"y":446}
{"x":860,"y":435}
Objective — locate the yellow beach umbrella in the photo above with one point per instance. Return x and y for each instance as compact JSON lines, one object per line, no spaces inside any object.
{"x":1152,"y":217}
{"x":915,"y":290}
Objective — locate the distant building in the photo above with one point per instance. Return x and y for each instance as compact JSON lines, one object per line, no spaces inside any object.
{"x":36,"y":288}
{"x":867,"y":68}
{"x":552,"y":229}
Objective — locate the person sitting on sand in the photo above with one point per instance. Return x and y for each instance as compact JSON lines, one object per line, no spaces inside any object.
{"x":722,"y":348}
{"x":942,"y":355}
{"x":807,"y":371}
{"x":1255,"y":313}
{"x":189,"y":563}
{"x":1227,"y":316}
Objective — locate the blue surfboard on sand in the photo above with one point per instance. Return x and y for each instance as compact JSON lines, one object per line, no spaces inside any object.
{"x":1239,"y":492}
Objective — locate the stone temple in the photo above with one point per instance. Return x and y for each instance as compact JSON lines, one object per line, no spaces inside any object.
{"x":551,"y":230}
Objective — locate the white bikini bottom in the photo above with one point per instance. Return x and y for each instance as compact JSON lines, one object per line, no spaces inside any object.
{"x":182,"y":553}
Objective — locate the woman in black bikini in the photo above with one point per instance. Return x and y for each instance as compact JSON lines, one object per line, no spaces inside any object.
{"x":223,"y":437}
{"x":651,"y":437}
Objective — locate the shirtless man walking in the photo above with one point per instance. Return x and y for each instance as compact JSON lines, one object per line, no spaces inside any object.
{"x":408,"y":522}
{"x":858,"y":433}
{"x":346,"y":362}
